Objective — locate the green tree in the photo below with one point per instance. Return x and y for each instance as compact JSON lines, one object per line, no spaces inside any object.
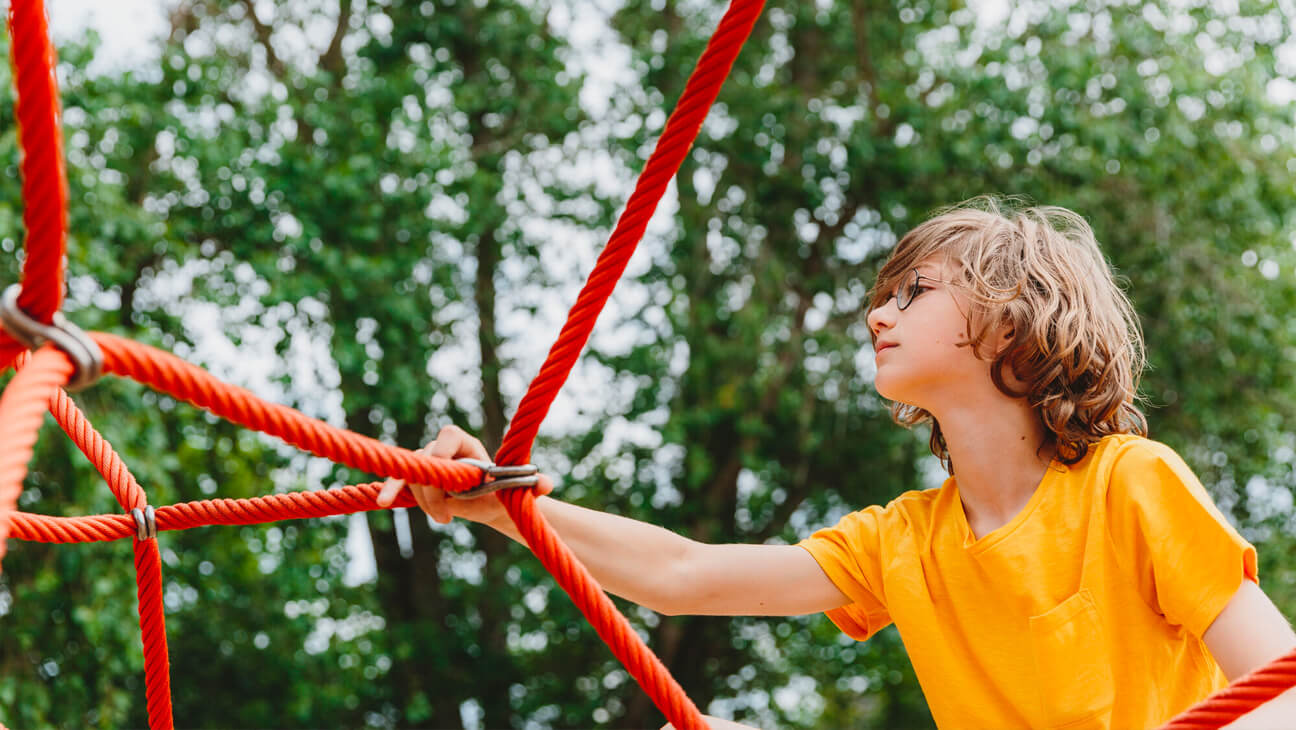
{"x":376,"y":195}
{"x":844,"y":124}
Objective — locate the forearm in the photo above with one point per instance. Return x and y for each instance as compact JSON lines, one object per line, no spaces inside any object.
{"x":640,"y":562}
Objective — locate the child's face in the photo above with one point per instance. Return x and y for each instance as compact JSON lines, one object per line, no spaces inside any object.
{"x":918,"y":356}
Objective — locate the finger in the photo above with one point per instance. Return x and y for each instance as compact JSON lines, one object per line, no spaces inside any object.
{"x":433,"y":502}
{"x":390,"y":489}
{"x":420,"y":496}
{"x":446,"y":443}
{"x":544,"y":485}
{"x":441,"y":508}
{"x":453,"y":442}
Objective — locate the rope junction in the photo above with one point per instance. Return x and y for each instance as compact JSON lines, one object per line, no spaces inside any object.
{"x":64,"y":357}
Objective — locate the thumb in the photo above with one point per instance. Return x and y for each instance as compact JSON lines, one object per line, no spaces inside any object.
{"x":544,"y":485}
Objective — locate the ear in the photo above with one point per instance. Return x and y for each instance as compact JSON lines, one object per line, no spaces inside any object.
{"x":1004,"y":337}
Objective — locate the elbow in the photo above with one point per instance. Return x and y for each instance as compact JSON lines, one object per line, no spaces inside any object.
{"x":677,"y":589}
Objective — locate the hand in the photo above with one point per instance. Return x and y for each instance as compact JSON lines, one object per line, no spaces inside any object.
{"x":453,"y":442}
{"x":716,"y":723}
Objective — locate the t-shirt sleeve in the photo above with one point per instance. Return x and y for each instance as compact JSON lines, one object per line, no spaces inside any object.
{"x":1186,"y":558}
{"x":850,"y":554}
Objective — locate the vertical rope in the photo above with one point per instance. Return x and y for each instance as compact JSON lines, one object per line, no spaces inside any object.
{"x":22,"y":406}
{"x":44,"y":186}
{"x":157,"y":662}
{"x":148,"y":567}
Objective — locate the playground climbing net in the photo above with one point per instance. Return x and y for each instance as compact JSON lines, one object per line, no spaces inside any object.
{"x":63,"y":357}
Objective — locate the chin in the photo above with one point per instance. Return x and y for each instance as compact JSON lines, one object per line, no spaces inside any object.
{"x":891,"y":390}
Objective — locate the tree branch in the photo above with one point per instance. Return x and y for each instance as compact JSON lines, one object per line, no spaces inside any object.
{"x":263,"y":33}
{"x":331,"y":60}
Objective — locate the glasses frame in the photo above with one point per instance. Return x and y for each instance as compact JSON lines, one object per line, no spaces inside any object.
{"x":911,"y":282}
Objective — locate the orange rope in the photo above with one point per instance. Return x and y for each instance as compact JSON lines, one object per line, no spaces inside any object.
{"x":1239,"y":698}
{"x":37,"y":385}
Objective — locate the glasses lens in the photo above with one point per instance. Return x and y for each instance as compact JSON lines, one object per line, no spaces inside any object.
{"x":908,"y":287}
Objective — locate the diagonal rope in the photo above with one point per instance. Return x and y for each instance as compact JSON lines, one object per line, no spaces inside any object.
{"x":1239,"y":698}
{"x":681,"y":130}
{"x":37,"y":386}
{"x":22,"y":406}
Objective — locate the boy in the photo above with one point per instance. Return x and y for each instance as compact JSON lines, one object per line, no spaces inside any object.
{"x":1069,"y":573}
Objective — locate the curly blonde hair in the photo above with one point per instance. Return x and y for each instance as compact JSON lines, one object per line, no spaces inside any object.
{"x":1076,"y":344}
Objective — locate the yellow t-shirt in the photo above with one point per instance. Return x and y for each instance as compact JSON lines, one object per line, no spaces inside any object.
{"x":1086,"y":610}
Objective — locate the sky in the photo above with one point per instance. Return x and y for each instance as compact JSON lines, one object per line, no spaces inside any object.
{"x":124,"y":25}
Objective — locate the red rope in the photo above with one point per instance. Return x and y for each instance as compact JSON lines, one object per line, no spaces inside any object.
{"x":22,"y":406}
{"x":157,"y":662}
{"x":602,"y":614}
{"x":673,"y":145}
{"x":168,"y":373}
{"x":44,"y":186}
{"x":128,"y":492}
{"x":1239,"y":698}
{"x":681,"y":130}
{"x":148,"y":566}
{"x":254,"y":511}
{"x":38,"y":384}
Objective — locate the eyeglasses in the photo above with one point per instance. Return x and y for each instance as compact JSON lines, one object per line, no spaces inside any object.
{"x":911,"y":286}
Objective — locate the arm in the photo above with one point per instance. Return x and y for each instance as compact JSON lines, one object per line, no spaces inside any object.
{"x":674,"y":575}
{"x":649,"y":565}
{"x":1248,"y":634}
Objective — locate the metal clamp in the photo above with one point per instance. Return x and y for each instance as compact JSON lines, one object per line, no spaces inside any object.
{"x":496,"y":477}
{"x":72,"y":340}
{"x":145,"y":522}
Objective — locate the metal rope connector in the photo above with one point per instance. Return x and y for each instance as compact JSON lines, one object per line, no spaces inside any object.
{"x":145,"y":523}
{"x":496,"y":477}
{"x":72,"y":340}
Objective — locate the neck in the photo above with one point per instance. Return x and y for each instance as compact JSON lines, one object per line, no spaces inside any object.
{"x":994,"y":444}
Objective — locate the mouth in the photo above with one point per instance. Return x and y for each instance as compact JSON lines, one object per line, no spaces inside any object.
{"x":882,"y":347}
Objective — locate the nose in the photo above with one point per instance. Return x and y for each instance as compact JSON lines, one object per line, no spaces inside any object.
{"x":883,"y":317}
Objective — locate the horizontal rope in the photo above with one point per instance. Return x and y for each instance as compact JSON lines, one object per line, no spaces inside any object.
{"x":169,"y":374}
{"x":205,"y":513}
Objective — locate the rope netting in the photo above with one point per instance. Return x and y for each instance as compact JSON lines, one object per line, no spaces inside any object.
{"x":38,"y":387}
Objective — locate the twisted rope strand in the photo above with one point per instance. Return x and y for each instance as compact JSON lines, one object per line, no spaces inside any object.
{"x":148,"y":566}
{"x":157,"y":660}
{"x":167,"y":373}
{"x":124,"y":487}
{"x":611,"y":626}
{"x":204,"y":513}
{"x":681,"y":130}
{"x":1239,"y":698}
{"x":44,"y":186}
{"x":22,"y":406}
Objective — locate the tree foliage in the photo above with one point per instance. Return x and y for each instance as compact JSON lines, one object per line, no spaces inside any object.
{"x":379,"y":195}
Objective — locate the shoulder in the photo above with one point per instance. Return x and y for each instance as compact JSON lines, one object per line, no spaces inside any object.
{"x":1150,"y":482}
{"x":917,"y":508}
{"x":1139,"y":463}
{"x":1125,"y":460}
{"x":909,"y":511}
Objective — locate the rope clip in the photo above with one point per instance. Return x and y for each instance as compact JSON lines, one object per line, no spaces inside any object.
{"x":85,"y":355}
{"x":499,"y":476}
{"x":145,"y":523}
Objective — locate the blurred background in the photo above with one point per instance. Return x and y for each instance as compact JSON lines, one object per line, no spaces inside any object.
{"x":379,"y":212}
